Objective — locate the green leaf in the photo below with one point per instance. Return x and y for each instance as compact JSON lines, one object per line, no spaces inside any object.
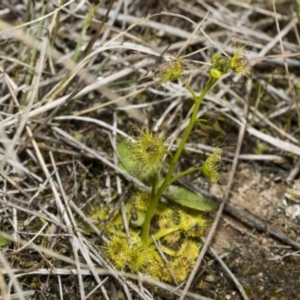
{"x":3,"y":241}
{"x":189,"y":199}
{"x":129,"y":163}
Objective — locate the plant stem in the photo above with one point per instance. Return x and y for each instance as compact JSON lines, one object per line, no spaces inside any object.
{"x":146,"y":226}
{"x":154,"y":200}
{"x":184,"y":173}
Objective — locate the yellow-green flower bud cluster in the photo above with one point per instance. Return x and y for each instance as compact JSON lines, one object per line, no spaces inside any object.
{"x":237,"y":63}
{"x":171,"y":70}
{"x":220,"y":66}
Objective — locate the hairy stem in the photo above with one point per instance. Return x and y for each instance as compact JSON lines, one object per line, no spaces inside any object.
{"x":184,"y":173}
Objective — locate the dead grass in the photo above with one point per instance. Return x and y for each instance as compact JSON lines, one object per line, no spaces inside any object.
{"x":64,"y":108}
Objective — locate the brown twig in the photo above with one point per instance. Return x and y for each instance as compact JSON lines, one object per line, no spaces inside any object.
{"x":229,"y":273}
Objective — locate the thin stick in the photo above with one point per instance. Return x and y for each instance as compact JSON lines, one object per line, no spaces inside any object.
{"x":227,"y":270}
{"x":220,"y":210}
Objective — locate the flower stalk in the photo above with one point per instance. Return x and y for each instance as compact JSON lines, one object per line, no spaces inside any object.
{"x":169,"y":179}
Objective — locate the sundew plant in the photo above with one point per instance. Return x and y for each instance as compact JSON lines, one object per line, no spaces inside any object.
{"x":179,"y":221}
{"x":116,"y":122}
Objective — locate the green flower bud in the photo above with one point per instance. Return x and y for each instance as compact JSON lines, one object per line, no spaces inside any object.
{"x":220,"y":66}
{"x":215,"y":73}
